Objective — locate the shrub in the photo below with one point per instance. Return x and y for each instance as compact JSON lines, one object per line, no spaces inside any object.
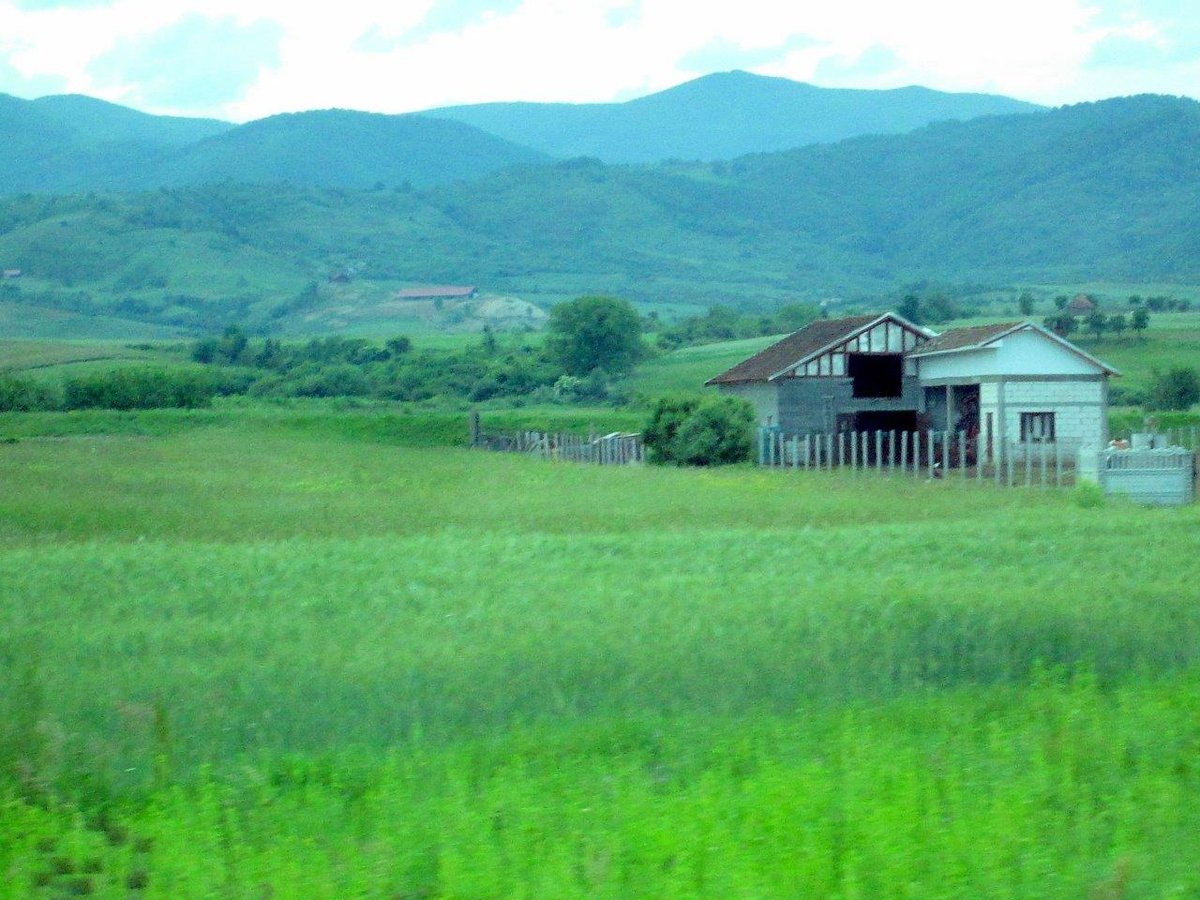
{"x":25,"y":395}
{"x":700,"y":432}
{"x":139,"y":388}
{"x":1178,"y":388}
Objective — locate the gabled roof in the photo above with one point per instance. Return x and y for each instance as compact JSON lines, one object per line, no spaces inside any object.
{"x":979,"y":337}
{"x":964,"y":338}
{"x":800,"y":346}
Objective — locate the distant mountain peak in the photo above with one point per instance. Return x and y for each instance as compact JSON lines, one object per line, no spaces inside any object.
{"x":723,"y":115}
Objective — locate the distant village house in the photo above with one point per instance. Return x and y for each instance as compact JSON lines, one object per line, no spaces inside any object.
{"x":1008,"y":384}
{"x":12,"y":273}
{"x":438,"y":292}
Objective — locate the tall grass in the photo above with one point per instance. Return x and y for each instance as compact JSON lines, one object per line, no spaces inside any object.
{"x":254,"y":649}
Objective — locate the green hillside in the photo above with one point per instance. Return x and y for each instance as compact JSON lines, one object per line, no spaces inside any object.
{"x":1104,"y":192}
{"x":99,"y":122}
{"x":74,"y":143}
{"x":342,"y":148}
{"x":722,"y":116}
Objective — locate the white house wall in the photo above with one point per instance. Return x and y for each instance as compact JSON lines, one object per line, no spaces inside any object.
{"x":1079,"y":407}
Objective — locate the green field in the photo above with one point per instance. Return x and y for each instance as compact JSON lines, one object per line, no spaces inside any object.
{"x":294,"y":650}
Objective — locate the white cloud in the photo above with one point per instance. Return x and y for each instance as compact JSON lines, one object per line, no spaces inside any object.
{"x":580,"y":50}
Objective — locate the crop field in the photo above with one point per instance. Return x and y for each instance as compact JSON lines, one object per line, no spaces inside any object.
{"x":311,"y":651}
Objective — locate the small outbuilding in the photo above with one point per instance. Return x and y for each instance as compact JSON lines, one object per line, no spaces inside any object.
{"x":1013,"y":384}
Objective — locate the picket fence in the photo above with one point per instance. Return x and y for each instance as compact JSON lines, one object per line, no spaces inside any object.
{"x":947,"y":454}
{"x":924,"y":454}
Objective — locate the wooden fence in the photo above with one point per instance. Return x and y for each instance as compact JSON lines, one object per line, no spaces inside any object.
{"x":615,"y":449}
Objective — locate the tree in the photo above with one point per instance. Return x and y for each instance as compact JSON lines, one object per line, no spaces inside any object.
{"x":1178,"y":389}
{"x":1096,"y":324}
{"x":591,"y":333}
{"x":1025,"y":303}
{"x":1061,"y":324}
{"x":910,"y":308}
{"x":1117,"y":324}
{"x":691,"y":431}
{"x":1061,"y":301}
{"x":1139,"y":320}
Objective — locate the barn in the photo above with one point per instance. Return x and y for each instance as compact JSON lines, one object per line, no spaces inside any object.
{"x":1013,"y":384}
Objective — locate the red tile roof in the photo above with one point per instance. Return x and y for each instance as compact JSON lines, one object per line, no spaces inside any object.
{"x":431,"y":291}
{"x":961,"y":338}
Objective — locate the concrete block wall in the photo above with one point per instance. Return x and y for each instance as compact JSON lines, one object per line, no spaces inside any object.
{"x":1080,"y":414}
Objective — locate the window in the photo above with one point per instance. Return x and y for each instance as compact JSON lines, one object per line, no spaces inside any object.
{"x":877,"y":375}
{"x":1037,"y":428}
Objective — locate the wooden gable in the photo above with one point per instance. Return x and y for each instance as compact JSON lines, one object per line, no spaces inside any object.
{"x":888,"y":334}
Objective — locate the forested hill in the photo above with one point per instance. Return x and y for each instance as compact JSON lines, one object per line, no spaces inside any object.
{"x":722,"y":116}
{"x":1107,"y":191}
{"x":1110,"y":188}
{"x":73,"y":143}
{"x":340,"y":148}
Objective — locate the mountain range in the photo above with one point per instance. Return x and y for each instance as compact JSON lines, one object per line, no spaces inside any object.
{"x":1097,"y":191}
{"x":73,"y":143}
{"x":722,"y":116}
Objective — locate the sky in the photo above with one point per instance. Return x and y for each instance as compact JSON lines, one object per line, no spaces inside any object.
{"x":245,"y":59}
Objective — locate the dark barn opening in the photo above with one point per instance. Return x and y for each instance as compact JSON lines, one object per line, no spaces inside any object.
{"x":877,"y":374}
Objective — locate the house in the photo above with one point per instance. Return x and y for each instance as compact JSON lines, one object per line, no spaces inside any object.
{"x":12,"y":273}
{"x":1081,"y":305}
{"x":1009,"y":384}
{"x":438,"y":292}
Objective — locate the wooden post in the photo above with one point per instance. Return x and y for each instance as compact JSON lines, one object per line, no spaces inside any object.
{"x":878,"y":450}
{"x":929,"y":449}
{"x":829,"y":451}
{"x":818,"y":452}
{"x":979,"y":458}
{"x":841,"y":449}
{"x":476,"y":429}
{"x":903,"y":452}
{"x":916,"y":442}
{"x":946,"y":453}
{"x":962,"y":453}
{"x":1028,"y":465}
{"x":1042,"y":473}
{"x":854,"y":450}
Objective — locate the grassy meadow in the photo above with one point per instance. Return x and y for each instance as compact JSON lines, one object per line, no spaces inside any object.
{"x":322,"y":650}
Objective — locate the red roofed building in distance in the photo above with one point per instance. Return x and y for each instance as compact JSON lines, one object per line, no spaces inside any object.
{"x":438,"y":292}
{"x":1081,"y":305}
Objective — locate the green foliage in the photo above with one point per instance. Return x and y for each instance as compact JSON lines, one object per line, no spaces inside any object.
{"x":1176,"y":389}
{"x":590,"y":333}
{"x":139,"y":387}
{"x":931,"y":309}
{"x":24,"y":394}
{"x":723,"y":323}
{"x":1139,"y":320}
{"x":1062,"y":324}
{"x":706,"y":431}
